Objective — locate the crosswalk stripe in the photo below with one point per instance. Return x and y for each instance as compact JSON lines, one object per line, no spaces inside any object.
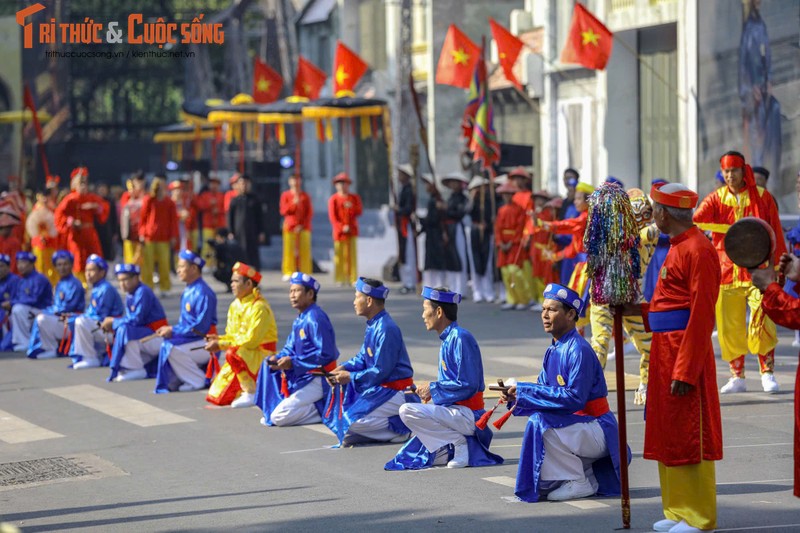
{"x":118,"y":406}
{"x":15,"y":430}
{"x":506,"y":481}
{"x":586,"y":504}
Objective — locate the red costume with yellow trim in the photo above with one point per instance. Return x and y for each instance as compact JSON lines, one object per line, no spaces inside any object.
{"x":343,"y":211}
{"x":296,"y":210}
{"x":716,"y":213}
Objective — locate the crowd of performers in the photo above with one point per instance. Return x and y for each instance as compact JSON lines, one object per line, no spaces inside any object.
{"x":570,"y":447}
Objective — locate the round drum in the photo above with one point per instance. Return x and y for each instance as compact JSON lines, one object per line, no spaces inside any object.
{"x":750,"y":242}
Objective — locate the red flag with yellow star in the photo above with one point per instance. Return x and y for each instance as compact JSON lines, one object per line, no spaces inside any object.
{"x":508,"y":49}
{"x":267,"y":83}
{"x":348,"y":68}
{"x":457,"y":60}
{"x":589,"y":42}
{"x":309,"y":80}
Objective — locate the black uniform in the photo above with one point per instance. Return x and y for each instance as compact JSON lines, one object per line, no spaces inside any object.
{"x":246,"y":221}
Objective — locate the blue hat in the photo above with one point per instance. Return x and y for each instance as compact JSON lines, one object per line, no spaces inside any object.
{"x":720,"y":177}
{"x":565,"y":295}
{"x":572,"y":182}
{"x":192,"y":257}
{"x":26,"y":256}
{"x":615,"y":181}
{"x":301,"y":278}
{"x":445,"y":297}
{"x":5,"y":258}
{"x":656,"y":181}
{"x":127,"y":268}
{"x":63,"y":254}
{"x":380,"y":292}
{"x":97,"y":260}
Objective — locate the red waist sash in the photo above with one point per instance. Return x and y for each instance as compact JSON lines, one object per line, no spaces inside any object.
{"x":157,"y":324}
{"x":269,"y":346}
{"x":597,"y":407}
{"x":399,"y":384}
{"x":330,"y":367}
{"x":475,"y":402}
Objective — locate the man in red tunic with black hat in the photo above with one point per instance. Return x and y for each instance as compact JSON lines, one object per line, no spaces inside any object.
{"x":741,"y":197}
{"x":75,"y":218}
{"x":344,"y":208}
{"x":683,"y":429}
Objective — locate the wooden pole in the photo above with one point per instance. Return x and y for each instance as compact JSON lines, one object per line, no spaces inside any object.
{"x":623,"y":431}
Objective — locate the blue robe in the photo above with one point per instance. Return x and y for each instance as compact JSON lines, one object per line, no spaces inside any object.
{"x":654,"y":267}
{"x":383,"y":358}
{"x":460,"y":378}
{"x":104,"y":302}
{"x":551,"y":404}
{"x":198,"y":315}
{"x":311,"y":344}
{"x":142,"y":311}
{"x":70,"y":297}
{"x":8,"y":286}
{"x":34,"y":290}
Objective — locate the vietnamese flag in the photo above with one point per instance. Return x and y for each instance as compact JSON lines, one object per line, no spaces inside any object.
{"x":589,"y":42}
{"x":508,"y":49}
{"x":309,"y":80}
{"x":348,"y":68}
{"x":457,"y":60}
{"x":267,"y":83}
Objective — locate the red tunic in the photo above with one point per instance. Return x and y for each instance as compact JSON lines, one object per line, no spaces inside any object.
{"x":212,"y":206}
{"x":689,"y":279}
{"x":785,"y":311}
{"x":10,"y":246}
{"x":159,"y":220}
{"x":296,"y":214}
{"x":134,"y":216}
{"x":508,"y":228}
{"x":344,"y":210}
{"x":229,"y":196}
{"x":82,"y":241}
{"x":720,"y":209}
{"x":571,"y":226}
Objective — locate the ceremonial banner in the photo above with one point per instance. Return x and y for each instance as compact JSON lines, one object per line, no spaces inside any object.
{"x":348,"y":68}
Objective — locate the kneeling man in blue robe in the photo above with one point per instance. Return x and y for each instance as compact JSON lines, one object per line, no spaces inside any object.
{"x":570,"y":447}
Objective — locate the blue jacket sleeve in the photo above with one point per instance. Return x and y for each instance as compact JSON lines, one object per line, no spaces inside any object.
{"x":315,"y":347}
{"x":135,"y":315}
{"x":74,"y":300}
{"x":462,"y":376}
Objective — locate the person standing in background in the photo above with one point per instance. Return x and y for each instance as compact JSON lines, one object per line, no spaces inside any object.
{"x":246,"y":221}
{"x":296,"y":210}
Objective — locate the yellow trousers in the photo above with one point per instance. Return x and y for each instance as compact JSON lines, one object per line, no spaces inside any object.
{"x":296,"y":252}
{"x":689,"y":493}
{"x":537,"y":288}
{"x":206,"y":252}
{"x":44,"y":263}
{"x":577,"y":282}
{"x":516,"y":284}
{"x":736,"y":337}
{"x":527,"y":271}
{"x":156,"y":252}
{"x":345,"y":264}
{"x":132,"y":252}
{"x":602,"y":329}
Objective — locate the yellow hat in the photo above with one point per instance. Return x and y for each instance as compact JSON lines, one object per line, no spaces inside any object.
{"x":584,"y":187}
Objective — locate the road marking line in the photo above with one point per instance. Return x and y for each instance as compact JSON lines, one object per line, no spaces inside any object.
{"x":15,"y":430}
{"x":587,"y":504}
{"x":791,"y":527}
{"x":118,"y":406}
{"x":308,"y":450}
{"x":759,"y":445}
{"x":506,"y":481}
{"x":319,"y":428}
{"x":757,"y":481}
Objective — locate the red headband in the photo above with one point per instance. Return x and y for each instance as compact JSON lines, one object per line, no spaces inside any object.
{"x":680,"y":199}
{"x":247,"y":271}
{"x":731,"y":161}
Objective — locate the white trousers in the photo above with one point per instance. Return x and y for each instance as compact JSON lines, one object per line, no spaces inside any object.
{"x":434,"y":278}
{"x":22,"y":317}
{"x":91,"y":346}
{"x":51,"y":331}
{"x":570,"y":451}
{"x":437,"y":425}
{"x":137,"y":353}
{"x":299,"y":409}
{"x":375,"y":425}
{"x":186,"y":363}
{"x":408,"y":270}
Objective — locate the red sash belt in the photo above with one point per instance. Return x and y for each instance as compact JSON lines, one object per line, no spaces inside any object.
{"x":269,"y":346}
{"x":212,"y":330}
{"x":399,"y":384}
{"x":475,"y":402}
{"x":157,"y":324}
{"x":330,"y":367}
{"x":597,"y":407}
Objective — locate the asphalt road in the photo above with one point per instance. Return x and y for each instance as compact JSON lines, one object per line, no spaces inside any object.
{"x":116,"y":457}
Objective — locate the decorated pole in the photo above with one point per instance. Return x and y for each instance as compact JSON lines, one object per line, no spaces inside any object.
{"x":612,"y":244}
